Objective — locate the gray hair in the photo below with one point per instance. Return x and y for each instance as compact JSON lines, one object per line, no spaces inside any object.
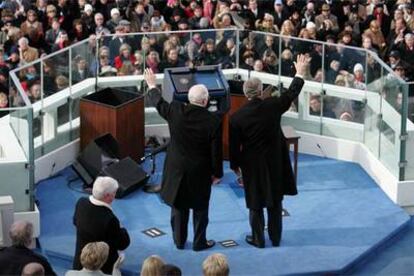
{"x":252,"y":87}
{"x":408,"y":36}
{"x":23,"y":40}
{"x":94,"y":255}
{"x":197,"y":94}
{"x":216,"y":264}
{"x":204,"y":22}
{"x":104,"y":185}
{"x":21,"y":233}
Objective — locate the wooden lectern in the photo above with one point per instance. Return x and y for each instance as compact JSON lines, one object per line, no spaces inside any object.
{"x":116,"y":112}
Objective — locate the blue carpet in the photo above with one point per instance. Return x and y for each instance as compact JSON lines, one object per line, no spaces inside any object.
{"x":339,"y":217}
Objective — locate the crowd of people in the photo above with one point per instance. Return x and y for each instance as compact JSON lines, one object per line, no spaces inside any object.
{"x":20,"y":259}
{"x":98,"y":242}
{"x":30,"y":30}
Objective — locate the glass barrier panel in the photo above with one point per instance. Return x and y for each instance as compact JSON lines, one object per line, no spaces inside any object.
{"x":16,"y":184}
{"x":16,"y":98}
{"x":19,"y":122}
{"x":83,"y":61}
{"x":409,"y":157}
{"x":29,"y":78}
{"x":375,"y":73}
{"x":14,"y":157}
{"x":259,"y":52}
{"x":308,"y":117}
{"x":376,"y":79}
{"x":392,"y":105}
{"x":55,"y":73}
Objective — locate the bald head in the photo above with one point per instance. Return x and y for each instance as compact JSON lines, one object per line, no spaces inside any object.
{"x":252,"y":88}
{"x":198,"y":95}
{"x":21,"y":233}
{"x":33,"y":269}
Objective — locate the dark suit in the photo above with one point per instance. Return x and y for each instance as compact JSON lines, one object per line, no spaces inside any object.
{"x":193,"y":157}
{"x":14,"y":258}
{"x":258,"y":147}
{"x":98,"y":223}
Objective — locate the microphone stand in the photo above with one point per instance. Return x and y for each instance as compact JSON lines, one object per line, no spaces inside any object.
{"x":154,"y":188}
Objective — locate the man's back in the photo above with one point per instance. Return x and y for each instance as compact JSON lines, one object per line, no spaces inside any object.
{"x":98,"y":223}
{"x":14,"y":258}
{"x":258,"y":121}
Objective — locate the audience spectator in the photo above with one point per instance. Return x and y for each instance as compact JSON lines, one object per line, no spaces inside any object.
{"x":93,"y":257}
{"x":14,"y":258}
{"x":216,"y":265}
{"x":170,"y":270}
{"x":124,"y":56}
{"x":43,"y":27}
{"x":95,"y":221}
{"x":152,"y":266}
{"x":315,"y":107}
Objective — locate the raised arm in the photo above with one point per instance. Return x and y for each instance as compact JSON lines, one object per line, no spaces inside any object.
{"x":163,"y":107}
{"x":286,"y":99}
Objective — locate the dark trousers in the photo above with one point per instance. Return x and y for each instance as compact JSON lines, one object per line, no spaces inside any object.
{"x":179,"y":225}
{"x":274,"y":224}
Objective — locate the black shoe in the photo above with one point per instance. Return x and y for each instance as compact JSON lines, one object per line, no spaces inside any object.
{"x":152,"y":189}
{"x":275,"y":244}
{"x":249,"y":240}
{"x":207,"y":245}
{"x":180,"y":247}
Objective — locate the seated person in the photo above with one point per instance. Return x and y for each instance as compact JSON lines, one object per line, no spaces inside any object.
{"x":315,"y":107}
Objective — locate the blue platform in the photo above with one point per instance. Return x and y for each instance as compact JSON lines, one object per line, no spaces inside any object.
{"x":339,"y":218}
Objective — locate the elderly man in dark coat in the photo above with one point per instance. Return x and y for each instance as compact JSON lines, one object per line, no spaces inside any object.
{"x":258,"y":150}
{"x":95,"y":221}
{"x":15,"y":258}
{"x":193,"y":161}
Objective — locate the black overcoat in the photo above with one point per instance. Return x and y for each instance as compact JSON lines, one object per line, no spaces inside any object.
{"x":14,"y":258}
{"x":258,"y":147}
{"x":194,"y":154}
{"x":98,"y":223}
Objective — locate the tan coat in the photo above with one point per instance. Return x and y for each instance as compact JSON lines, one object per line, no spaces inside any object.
{"x":29,"y":55}
{"x":376,"y":38}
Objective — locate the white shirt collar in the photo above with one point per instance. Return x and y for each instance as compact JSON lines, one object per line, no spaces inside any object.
{"x":97,"y":202}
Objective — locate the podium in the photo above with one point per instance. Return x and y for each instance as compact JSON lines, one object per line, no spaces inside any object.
{"x":178,"y":81}
{"x":236,"y":102}
{"x":116,"y":112}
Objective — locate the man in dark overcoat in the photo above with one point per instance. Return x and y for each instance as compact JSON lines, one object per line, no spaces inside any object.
{"x":193,"y":161}
{"x":15,"y":258}
{"x":259,"y":152}
{"x":95,"y":221}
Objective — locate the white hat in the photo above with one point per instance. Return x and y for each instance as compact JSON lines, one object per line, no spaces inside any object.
{"x":310,"y":25}
{"x":278,"y":2}
{"x":115,"y":11}
{"x":358,"y":67}
{"x":88,"y":7}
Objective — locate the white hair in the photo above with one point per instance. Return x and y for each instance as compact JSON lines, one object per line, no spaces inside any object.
{"x":197,"y":94}
{"x":252,"y":87}
{"x":24,"y":40}
{"x":104,"y":185}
